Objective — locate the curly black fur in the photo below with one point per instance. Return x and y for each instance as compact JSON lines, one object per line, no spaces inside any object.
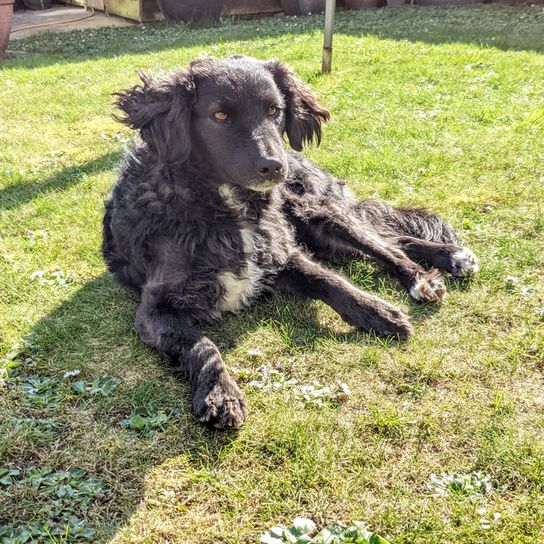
{"x":210,"y":211}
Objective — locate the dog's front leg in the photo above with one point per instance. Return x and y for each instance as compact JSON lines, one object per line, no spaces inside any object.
{"x":307,"y":278}
{"x":216,"y":399}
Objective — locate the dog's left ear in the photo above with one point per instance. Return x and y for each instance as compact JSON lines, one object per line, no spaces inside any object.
{"x":161,"y":111}
{"x":303,"y":115}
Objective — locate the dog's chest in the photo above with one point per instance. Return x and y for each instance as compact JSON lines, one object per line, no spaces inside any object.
{"x":240,"y":288}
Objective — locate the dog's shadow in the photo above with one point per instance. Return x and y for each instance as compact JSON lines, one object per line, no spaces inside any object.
{"x":92,"y":332}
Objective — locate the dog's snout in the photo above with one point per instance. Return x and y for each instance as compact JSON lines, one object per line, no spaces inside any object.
{"x":269,"y":168}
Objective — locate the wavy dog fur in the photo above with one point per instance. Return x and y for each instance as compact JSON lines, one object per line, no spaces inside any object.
{"x":210,"y":211}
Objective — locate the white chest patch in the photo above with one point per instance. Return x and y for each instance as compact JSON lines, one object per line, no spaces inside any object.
{"x":241,"y":289}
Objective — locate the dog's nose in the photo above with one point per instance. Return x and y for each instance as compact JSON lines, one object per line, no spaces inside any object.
{"x":269,"y":168}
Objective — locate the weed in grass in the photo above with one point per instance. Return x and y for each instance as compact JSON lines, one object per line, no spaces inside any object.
{"x":54,"y":277}
{"x":38,"y":427}
{"x":487,"y":521}
{"x":72,"y":530}
{"x":303,"y":531}
{"x":65,"y":495}
{"x":12,"y":365}
{"x":42,"y":392}
{"x":7,"y":475}
{"x":474,"y":483}
{"x":147,"y":421}
{"x":317,"y":394}
{"x":103,"y":386}
{"x":9,"y":370}
{"x":68,"y":491}
{"x":267,"y":378}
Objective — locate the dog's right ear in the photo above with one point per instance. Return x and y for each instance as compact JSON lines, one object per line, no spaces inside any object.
{"x":161,"y":111}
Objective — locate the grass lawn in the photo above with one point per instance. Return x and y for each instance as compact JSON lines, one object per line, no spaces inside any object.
{"x":441,"y":108}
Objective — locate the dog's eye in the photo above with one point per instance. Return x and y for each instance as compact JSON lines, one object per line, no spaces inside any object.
{"x":273,"y":111}
{"x":220,"y":116}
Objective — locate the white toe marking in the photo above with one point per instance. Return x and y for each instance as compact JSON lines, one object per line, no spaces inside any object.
{"x":465,"y":262}
{"x":428,"y":289}
{"x":416,"y":291}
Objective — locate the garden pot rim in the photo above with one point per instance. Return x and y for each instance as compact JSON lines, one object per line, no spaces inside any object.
{"x":5,"y":2}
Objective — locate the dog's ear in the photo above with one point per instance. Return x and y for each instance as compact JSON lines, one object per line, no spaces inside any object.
{"x":161,"y":111}
{"x":303,"y":115}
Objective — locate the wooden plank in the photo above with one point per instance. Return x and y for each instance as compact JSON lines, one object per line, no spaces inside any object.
{"x":137,"y":10}
{"x":99,"y":5}
{"x":250,"y":7}
{"x":131,"y":9}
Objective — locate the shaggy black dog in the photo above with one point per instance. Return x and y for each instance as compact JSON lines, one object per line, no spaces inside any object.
{"x":210,"y":211}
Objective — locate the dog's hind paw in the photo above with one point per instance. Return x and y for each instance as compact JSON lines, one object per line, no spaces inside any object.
{"x":429,"y":288}
{"x":220,"y":404}
{"x":463,"y":263}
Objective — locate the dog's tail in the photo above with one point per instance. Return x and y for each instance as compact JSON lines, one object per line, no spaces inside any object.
{"x":425,"y":225}
{"x":415,"y":222}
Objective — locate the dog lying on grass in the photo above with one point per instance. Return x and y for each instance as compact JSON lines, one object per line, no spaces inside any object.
{"x":210,"y":211}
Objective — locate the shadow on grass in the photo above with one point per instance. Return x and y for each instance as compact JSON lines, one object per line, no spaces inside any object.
{"x":480,"y":25}
{"x":21,"y":193}
{"x":92,"y":332}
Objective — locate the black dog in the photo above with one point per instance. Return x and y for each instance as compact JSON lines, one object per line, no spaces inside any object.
{"x":210,"y":211}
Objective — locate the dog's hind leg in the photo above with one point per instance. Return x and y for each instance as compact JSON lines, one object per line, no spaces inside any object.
{"x":423,"y":236}
{"x":307,"y":278}
{"x":333,"y":230}
{"x":456,"y":260}
{"x":216,"y":399}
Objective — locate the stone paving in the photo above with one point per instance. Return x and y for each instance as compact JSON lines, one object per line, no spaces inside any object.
{"x":54,"y":18}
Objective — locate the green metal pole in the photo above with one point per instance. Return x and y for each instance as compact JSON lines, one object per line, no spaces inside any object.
{"x":330,"y":8}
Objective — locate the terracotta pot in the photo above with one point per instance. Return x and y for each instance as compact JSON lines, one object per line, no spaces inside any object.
{"x":186,"y":10}
{"x":360,"y":4}
{"x":6,"y":15}
{"x":302,"y":7}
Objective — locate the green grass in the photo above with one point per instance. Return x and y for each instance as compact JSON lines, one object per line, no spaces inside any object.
{"x":441,"y":108}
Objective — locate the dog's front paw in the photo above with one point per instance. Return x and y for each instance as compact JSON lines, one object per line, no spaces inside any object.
{"x":429,"y":287}
{"x":384,"y":319}
{"x":220,"y":404}
{"x":463,"y":263}
{"x":395,"y":323}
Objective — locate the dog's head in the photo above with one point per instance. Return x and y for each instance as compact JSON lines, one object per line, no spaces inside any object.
{"x":227,"y":117}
